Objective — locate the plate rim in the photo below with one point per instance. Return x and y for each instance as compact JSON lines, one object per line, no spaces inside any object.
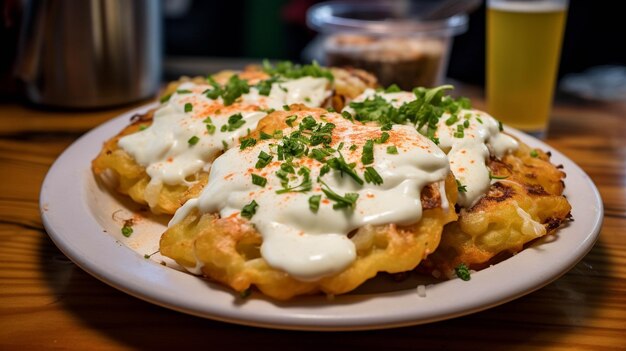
{"x":270,"y":314}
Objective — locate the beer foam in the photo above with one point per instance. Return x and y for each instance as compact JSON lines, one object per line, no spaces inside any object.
{"x":528,"y":6}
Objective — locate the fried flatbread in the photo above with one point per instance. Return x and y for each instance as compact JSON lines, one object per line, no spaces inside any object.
{"x":121,"y":171}
{"x":524,"y":204}
{"x":228,"y":249}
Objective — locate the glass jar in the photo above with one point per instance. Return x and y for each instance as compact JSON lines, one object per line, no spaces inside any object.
{"x":382,"y":38}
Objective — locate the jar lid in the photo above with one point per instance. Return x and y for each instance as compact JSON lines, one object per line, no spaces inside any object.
{"x":389,"y":17}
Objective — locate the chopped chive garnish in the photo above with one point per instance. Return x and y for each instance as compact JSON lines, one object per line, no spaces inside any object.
{"x":293,"y":71}
{"x":264,"y":160}
{"x":347,"y":115}
{"x":492,"y":176}
{"x":165,"y":98}
{"x":188,"y":107}
{"x":325,"y":169}
{"x":479,"y":120}
{"x":534,"y":153}
{"x":286,"y":108}
{"x":383,"y":138}
{"x":393,"y":150}
{"x":466,"y":124}
{"x":340,"y":164}
{"x":235,"y":121}
{"x":371,"y":176}
{"x":393,"y":88}
{"x":127,"y":231}
{"x":346,"y":201}
{"x":314,"y":202}
{"x":500,"y":127}
{"x":368,"y":152}
{"x":210,"y":128}
{"x":247,"y":143}
{"x":265,"y":136}
{"x":330,"y":109}
{"x":183,"y":91}
{"x":450,"y":121}
{"x":460,"y":187}
{"x":290,"y":120}
{"x":258,"y":180}
{"x":249,"y":210}
{"x":353,"y":147}
{"x":193,"y":140}
{"x":265,"y":86}
{"x":462,"y":272}
{"x":142,"y":127}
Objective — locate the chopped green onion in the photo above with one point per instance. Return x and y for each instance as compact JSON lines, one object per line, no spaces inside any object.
{"x":188,"y":107}
{"x":462,"y":272}
{"x":368,"y":152}
{"x":264,"y":160}
{"x":249,"y":210}
{"x":249,"y":142}
{"x":450,"y":121}
{"x":165,"y":98}
{"x":372,"y":176}
{"x":346,"y":201}
{"x":491,"y":176}
{"x":290,"y":120}
{"x":460,"y":187}
{"x":534,"y":153}
{"x":393,"y":150}
{"x":127,"y":231}
{"x":383,"y":138}
{"x":210,"y":128}
{"x":193,"y":140}
{"x":314,"y":202}
{"x":259,"y":180}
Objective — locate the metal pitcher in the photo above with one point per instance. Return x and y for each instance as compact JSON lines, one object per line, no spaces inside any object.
{"x":90,"y":53}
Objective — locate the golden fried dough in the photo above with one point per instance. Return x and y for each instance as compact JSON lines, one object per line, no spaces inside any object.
{"x":129,"y":178}
{"x":228,"y":250}
{"x":524,"y":206}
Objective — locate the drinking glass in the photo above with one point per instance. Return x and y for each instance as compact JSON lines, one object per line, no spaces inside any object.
{"x":523,"y":48}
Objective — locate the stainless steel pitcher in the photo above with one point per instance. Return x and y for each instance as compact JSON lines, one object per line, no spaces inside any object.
{"x":90,"y":53}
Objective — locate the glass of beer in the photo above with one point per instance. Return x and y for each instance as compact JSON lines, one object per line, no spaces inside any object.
{"x":523,"y":48}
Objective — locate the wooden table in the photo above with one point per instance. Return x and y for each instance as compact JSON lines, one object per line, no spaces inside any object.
{"x":48,"y":302}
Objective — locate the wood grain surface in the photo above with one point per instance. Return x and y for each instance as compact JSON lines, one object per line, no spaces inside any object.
{"x":46,"y":302}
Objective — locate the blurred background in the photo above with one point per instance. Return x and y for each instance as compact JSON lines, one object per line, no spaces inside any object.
{"x":197,"y":37}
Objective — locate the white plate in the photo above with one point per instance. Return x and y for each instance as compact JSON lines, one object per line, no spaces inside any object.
{"x":84,"y":220}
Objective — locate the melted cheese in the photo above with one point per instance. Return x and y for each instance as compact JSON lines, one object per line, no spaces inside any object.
{"x":469,"y":154}
{"x":310,"y":245}
{"x":164,"y":149}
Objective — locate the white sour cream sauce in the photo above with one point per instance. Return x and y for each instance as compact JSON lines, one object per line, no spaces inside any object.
{"x":468,"y":155}
{"x":164,"y":149}
{"x":309,"y":245}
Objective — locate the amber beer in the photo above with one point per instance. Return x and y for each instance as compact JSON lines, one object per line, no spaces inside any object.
{"x":523,"y":46}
